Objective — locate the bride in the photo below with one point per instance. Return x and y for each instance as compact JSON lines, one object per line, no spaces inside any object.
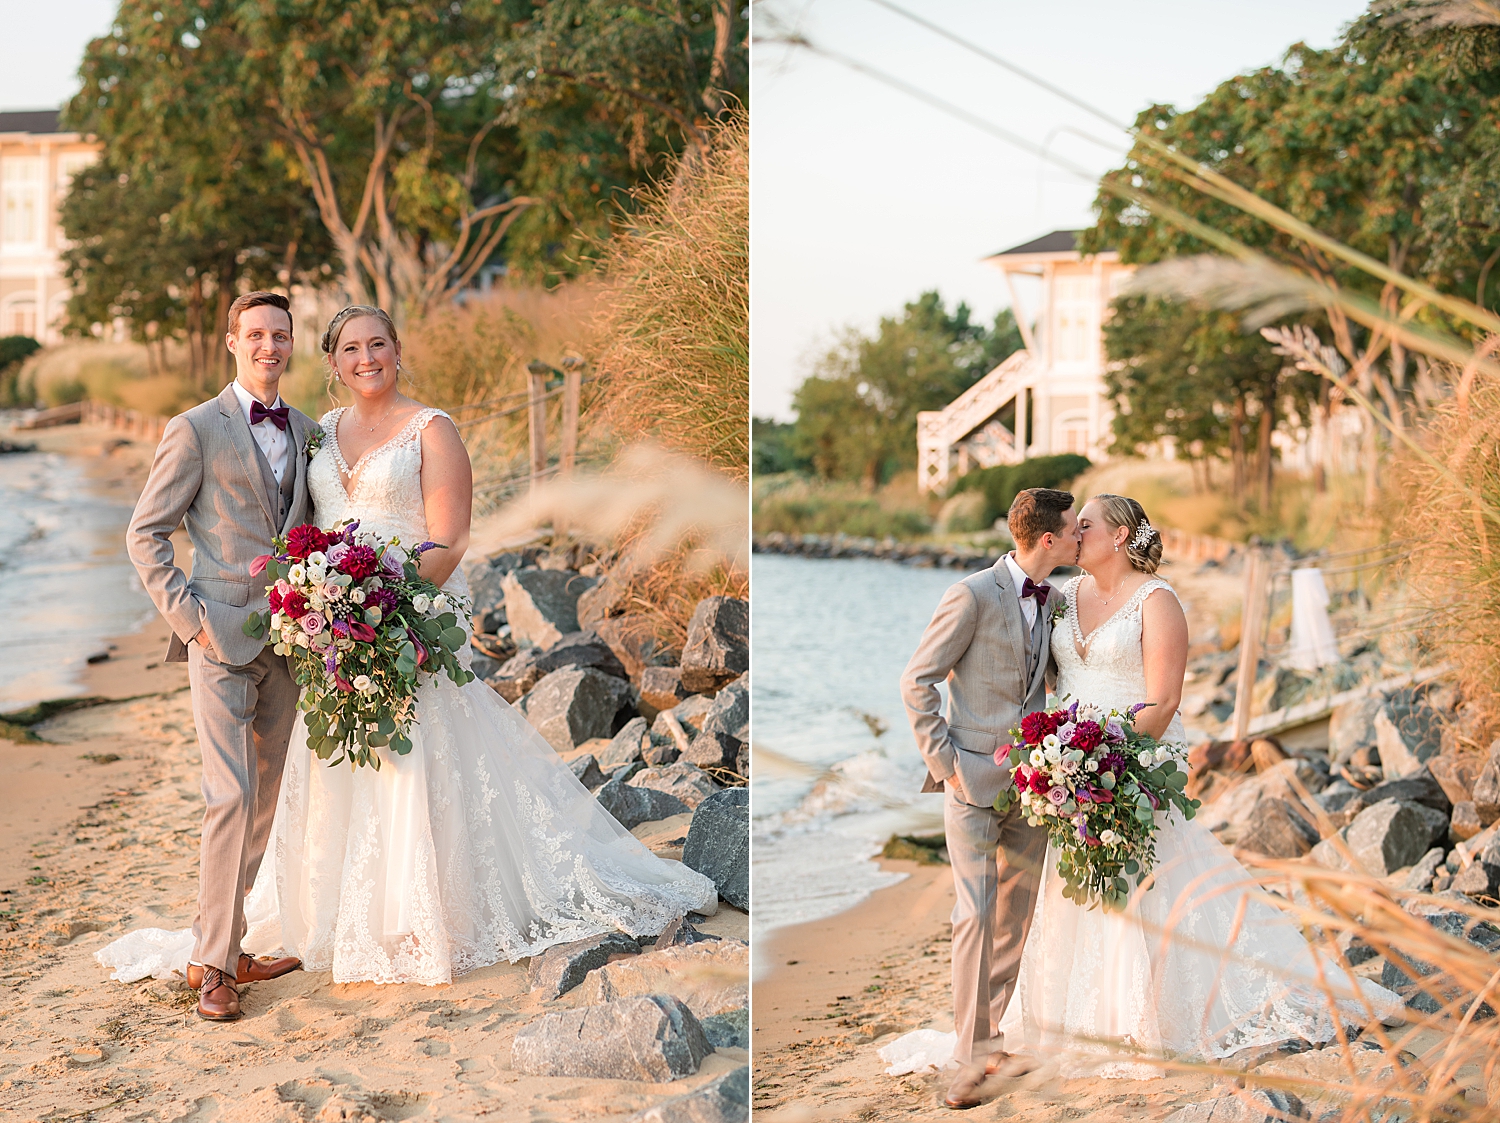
{"x":1198,"y":965}
{"x":479,"y":844}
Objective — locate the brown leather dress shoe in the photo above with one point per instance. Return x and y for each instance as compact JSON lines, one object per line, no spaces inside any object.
{"x":249,"y":970}
{"x":964,"y":1093}
{"x":218,"y":1001}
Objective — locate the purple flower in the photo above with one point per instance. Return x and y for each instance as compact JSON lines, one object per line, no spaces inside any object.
{"x":341,"y":629}
{"x":1113,"y":762}
{"x":349,"y":532}
{"x":390,"y":563}
{"x":336,"y":553}
{"x":423,"y":547}
{"x":1057,"y":796}
{"x":331,"y":664}
{"x":385,"y":598}
{"x":1065,"y":732}
{"x":1114,"y":730}
{"x":1137,"y":708}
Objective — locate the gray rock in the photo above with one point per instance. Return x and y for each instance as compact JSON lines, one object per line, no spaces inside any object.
{"x":570,"y":706}
{"x":483,"y":667}
{"x":660,"y":750}
{"x":586,"y":768}
{"x":1388,"y":836}
{"x":730,"y":712}
{"x":1394,"y":976}
{"x":528,"y":667}
{"x":686,"y":782}
{"x":718,"y":643}
{"x":1419,"y":787}
{"x":1352,"y":726}
{"x":1278,"y":830}
{"x":633,"y":806}
{"x":1263,"y":1105}
{"x":626,"y":771}
{"x":1487,"y":788}
{"x":626,"y":746}
{"x":562,"y":967}
{"x":1422,"y":873}
{"x":1336,"y":795}
{"x":599,"y":602}
{"x":1408,"y":731}
{"x":661,"y":687}
{"x":718,"y":844}
{"x":713,"y":749}
{"x":634,"y":641}
{"x":691,"y":712}
{"x":485,"y":587}
{"x":542,"y":604}
{"x":730,"y":1030}
{"x":1355,"y":950}
{"x":1481,"y":877}
{"x":724,"y":1100}
{"x":650,"y":1038}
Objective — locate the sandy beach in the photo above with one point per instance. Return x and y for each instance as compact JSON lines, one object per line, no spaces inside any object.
{"x":99,"y":824}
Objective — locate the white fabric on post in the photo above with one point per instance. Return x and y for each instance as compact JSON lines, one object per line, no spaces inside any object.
{"x":1313,"y":642}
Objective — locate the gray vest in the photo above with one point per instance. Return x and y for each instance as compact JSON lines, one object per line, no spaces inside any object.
{"x":1034,"y":652}
{"x":280,"y":494}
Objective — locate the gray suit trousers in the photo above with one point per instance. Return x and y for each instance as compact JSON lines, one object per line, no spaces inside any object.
{"x":244,"y":716}
{"x":997,"y":868}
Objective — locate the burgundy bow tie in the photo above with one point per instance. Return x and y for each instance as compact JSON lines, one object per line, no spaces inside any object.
{"x":275,"y":415}
{"x":1030,"y":588}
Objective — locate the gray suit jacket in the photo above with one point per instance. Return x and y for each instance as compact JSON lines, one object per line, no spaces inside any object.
{"x":209,"y":474}
{"x":977,"y":642}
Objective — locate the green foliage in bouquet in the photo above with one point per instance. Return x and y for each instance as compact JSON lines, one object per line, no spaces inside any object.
{"x":361,"y":627}
{"x":1096,"y":784}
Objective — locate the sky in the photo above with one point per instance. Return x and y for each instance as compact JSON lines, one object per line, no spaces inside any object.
{"x":42,"y":47}
{"x":862,"y":198}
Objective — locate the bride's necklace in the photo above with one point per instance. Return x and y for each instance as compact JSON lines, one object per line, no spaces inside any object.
{"x":382,"y":421}
{"x":1105,"y":600}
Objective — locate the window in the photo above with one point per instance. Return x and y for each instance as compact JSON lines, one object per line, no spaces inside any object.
{"x":1074,"y":300}
{"x":22,"y":205}
{"x":19,"y":317}
{"x":1072,"y":434}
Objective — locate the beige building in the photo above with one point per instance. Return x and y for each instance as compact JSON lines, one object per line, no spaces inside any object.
{"x":37,"y":163}
{"x":1047,"y":398}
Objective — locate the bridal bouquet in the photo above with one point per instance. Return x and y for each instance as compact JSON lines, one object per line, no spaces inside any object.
{"x":1095,"y":783}
{"x":362,"y":627}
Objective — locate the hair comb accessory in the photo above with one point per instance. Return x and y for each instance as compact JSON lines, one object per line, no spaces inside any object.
{"x":1142,"y":536}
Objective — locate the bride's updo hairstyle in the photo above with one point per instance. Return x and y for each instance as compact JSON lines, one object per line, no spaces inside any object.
{"x":335,"y":326}
{"x":1143,"y":546}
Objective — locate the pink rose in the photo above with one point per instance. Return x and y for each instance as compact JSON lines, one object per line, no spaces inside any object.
{"x":283,"y":586}
{"x":313,"y":623}
{"x":335,"y":553}
{"x":1057,"y":796}
{"x":1065,"y":732}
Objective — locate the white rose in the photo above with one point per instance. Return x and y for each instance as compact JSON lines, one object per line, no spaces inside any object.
{"x":1145,"y":758}
{"x":1054,"y":754}
{"x":1059,"y":780}
{"x":1109,"y":838}
{"x":317,"y":574}
{"x":1091,"y":765}
{"x":318,"y":559}
{"x":300,"y":639}
{"x":1037,"y":758}
{"x":421,"y":603}
{"x":297,"y":575}
{"x":361,"y":683}
{"x":1163,"y":754}
{"x":357,"y":596}
{"x":440,"y":603}
{"x":276,"y":621}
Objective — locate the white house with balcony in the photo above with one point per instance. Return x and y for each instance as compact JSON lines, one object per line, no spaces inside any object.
{"x":37,"y":165}
{"x":1047,"y":398}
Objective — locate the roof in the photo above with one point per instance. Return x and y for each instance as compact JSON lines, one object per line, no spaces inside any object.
{"x":30,"y":121}
{"x":1059,"y":241}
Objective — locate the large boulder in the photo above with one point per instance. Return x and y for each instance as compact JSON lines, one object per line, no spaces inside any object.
{"x":652,"y":1038}
{"x":1465,"y":822}
{"x":661,"y":688}
{"x":718,"y":844}
{"x":1351,"y":726}
{"x":1385,"y":837}
{"x":1481,"y":877}
{"x":1231,"y":815}
{"x":1278,"y":830}
{"x":690,"y":714}
{"x":586,"y":768}
{"x":1480,"y":934}
{"x":1456,"y":774}
{"x":627,"y":746}
{"x":634,"y":641}
{"x":1487,"y":787}
{"x":711,"y":978}
{"x":725,"y":1099}
{"x":529,"y":666}
{"x":600,"y":602}
{"x":713,"y":749}
{"x":718,"y":643}
{"x":686,"y":782}
{"x":563,"y":966}
{"x":633,"y":806}
{"x":570,"y":706}
{"x":1262,"y":1105}
{"x":730,"y":711}
{"x":1408,"y":732}
{"x":730,"y":1030}
{"x":1418,"y":787}
{"x":542,"y":604}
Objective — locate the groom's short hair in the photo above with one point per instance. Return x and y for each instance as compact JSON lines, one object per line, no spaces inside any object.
{"x":1035,"y":512}
{"x":251,"y":300}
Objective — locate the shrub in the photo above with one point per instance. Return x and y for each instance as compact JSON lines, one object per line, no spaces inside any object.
{"x":789,"y":504}
{"x":675,"y":324}
{"x":1000,"y":484}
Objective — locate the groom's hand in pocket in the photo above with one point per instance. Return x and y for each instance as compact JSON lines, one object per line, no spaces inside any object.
{"x":202,"y":640}
{"x":955,"y":785}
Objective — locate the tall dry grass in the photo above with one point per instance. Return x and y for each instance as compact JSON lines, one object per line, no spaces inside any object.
{"x":674,"y":326}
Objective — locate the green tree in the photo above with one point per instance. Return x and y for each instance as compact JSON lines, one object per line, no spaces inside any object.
{"x":857,"y":415}
{"x":771,"y":447}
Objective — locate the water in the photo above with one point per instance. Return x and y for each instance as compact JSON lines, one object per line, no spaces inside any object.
{"x":65,"y":582}
{"x":831,"y":638}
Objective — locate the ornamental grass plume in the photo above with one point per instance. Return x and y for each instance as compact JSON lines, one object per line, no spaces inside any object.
{"x":674,"y":324}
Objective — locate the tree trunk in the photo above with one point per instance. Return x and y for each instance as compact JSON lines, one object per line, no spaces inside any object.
{"x":226,"y":295}
{"x":1237,"y":452}
{"x":1324,"y":431}
{"x":1263,"y":469}
{"x":194,"y":325}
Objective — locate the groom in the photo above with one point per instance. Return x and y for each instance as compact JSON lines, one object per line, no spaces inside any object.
{"x":234,"y":470}
{"x":989,"y":639}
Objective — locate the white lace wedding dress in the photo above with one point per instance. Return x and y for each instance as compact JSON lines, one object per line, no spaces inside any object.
{"x":478,"y":845}
{"x":1200,"y":965}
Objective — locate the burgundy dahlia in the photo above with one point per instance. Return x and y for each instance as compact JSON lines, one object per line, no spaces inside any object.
{"x":359,"y":562}
{"x":384,"y":599}
{"x":1087,"y":736}
{"x":274,"y":596}
{"x":1038,"y":725}
{"x":294,"y":604}
{"x":305,"y":539}
{"x":1113,"y":762}
{"x":1040,"y":782}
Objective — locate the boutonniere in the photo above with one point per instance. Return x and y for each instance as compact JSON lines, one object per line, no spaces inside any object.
{"x":314,"y":442}
{"x":1059,"y":609}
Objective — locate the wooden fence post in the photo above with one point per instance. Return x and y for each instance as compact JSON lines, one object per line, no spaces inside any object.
{"x":538,"y":371}
{"x":572,"y":390}
{"x":1252,"y":622}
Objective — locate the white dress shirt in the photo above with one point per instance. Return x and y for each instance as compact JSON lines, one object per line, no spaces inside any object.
{"x":273,"y":442}
{"x":1018,"y":577}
